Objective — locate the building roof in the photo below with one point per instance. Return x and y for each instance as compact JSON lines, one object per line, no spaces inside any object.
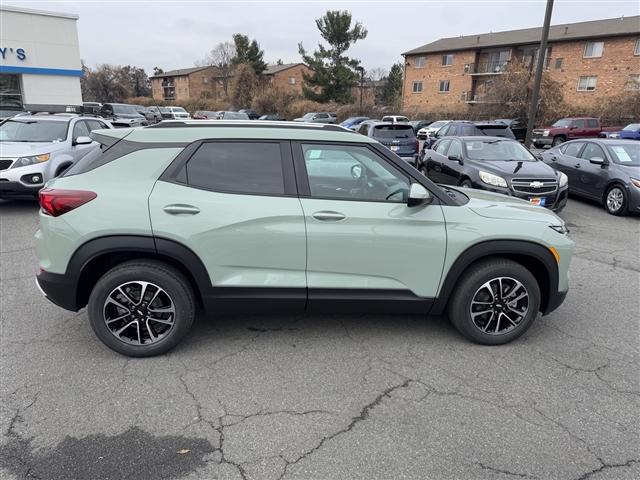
{"x":179,"y":72}
{"x":557,"y":33}
{"x":273,"y":69}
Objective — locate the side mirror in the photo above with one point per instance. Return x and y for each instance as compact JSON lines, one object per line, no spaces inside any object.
{"x":356,"y":171}
{"x":455,"y":158}
{"x":597,"y":160}
{"x":82,"y":141}
{"x":418,"y":195}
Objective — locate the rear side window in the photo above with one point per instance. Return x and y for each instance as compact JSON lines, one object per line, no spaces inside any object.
{"x":250,"y":168}
{"x":441,"y":147}
{"x":572,"y":149}
{"x":592,"y":123}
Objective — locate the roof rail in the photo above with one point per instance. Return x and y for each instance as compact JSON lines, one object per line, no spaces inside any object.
{"x":248,"y":124}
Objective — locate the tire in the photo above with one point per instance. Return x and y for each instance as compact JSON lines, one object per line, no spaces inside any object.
{"x":472,"y":293}
{"x":168,"y":321}
{"x":466,"y":183}
{"x":615,"y":200}
{"x":557,"y":141}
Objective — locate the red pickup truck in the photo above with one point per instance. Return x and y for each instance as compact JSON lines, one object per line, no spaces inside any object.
{"x":568,"y":129}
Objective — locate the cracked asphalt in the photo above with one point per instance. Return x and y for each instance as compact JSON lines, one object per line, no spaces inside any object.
{"x":329,"y":396}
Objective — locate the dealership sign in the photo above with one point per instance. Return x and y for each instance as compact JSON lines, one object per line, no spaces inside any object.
{"x":8,"y":52}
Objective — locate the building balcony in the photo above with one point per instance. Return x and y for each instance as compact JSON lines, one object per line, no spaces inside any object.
{"x":168,"y":84}
{"x":472,"y":98}
{"x":487,"y":68}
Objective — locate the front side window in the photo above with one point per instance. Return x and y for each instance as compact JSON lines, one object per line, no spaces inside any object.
{"x":420,"y":62}
{"x":593,"y":49}
{"x":80,"y":130}
{"x":33,"y":131}
{"x":417,"y":87}
{"x":447,"y":60}
{"x":578,"y":124}
{"x":587,"y":84}
{"x":237,"y":167}
{"x":592,"y":151}
{"x":592,"y":123}
{"x":342,"y":172}
{"x":444,"y":86}
{"x":455,"y":149}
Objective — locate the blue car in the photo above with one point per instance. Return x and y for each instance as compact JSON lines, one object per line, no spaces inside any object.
{"x":630,"y":132}
{"x":353,"y":122}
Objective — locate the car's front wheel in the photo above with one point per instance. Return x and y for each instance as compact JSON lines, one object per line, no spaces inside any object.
{"x":495,"y":302}
{"x":616,"y":200}
{"x":557,"y":141}
{"x":141,"y":308}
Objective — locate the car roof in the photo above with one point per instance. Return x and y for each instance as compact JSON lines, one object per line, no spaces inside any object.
{"x":192,"y":130}
{"x":606,"y":141}
{"x":53,"y":117}
{"x":484,"y":138}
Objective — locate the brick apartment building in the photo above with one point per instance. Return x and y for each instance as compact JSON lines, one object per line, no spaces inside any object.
{"x":591,"y":60}
{"x":206,"y":82}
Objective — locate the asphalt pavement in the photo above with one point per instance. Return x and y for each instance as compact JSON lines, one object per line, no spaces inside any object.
{"x":329,"y":396}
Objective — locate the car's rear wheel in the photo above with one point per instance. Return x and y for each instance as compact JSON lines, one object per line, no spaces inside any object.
{"x":495,"y":302}
{"x":141,"y":308}
{"x":616,"y":200}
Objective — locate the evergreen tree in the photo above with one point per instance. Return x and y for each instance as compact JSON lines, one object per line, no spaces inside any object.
{"x":248,"y":52}
{"x":244,"y":86}
{"x":334,"y":74}
{"x":393,"y":89}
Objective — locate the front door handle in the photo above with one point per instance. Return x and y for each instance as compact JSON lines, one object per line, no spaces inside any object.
{"x":181,"y":209}
{"x":577,"y":165}
{"x":328,"y":216}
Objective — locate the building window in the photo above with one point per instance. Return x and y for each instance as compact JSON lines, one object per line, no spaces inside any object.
{"x":444,"y":86}
{"x":420,"y":62}
{"x":559,"y":63}
{"x":447,"y":60}
{"x":593,"y":49}
{"x":633,"y":83}
{"x":587,"y":84}
{"x":292,"y":80}
{"x":10,"y":92}
{"x":637,"y":50}
{"x":205,"y":80}
{"x":417,"y":87}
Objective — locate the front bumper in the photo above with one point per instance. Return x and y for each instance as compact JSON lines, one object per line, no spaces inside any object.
{"x":555,"y":201}
{"x":58,"y":289}
{"x":11,"y":189}
{"x":542,"y":141}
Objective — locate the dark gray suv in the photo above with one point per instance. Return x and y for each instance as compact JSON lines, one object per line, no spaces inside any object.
{"x":607,"y":171}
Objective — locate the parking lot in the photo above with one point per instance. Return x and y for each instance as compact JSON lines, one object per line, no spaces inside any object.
{"x":359,"y":396}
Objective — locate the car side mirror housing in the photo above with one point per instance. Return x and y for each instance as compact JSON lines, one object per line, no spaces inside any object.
{"x":597,"y":160}
{"x":82,"y":141}
{"x":418,"y":195}
{"x":455,"y":158}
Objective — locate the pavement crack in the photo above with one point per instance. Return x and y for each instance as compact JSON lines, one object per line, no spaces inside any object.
{"x":506,"y":472}
{"x":607,"y":466}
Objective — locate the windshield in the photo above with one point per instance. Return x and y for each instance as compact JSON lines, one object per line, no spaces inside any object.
{"x":125,"y":109}
{"x":33,"y":131}
{"x":496,"y":131}
{"x":179,"y":109}
{"x":625,"y":154}
{"x":497,"y":150}
{"x":393,"y":131}
{"x":562,"y":123}
{"x":164,"y":109}
{"x":308,"y":115}
{"x":632,"y":127}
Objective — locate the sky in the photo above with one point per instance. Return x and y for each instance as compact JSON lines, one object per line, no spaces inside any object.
{"x":176,"y":34}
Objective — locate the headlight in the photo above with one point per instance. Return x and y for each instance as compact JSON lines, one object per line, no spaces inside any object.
{"x":561,"y":229}
{"x":635,"y":182}
{"x":26,"y":161}
{"x":563,"y":179}
{"x":492,"y":179}
{"x":545,"y":133}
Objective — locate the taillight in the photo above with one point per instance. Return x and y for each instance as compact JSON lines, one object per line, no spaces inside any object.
{"x":58,"y":202}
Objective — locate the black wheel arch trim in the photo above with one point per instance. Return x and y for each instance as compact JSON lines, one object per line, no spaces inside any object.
{"x":504,"y":248}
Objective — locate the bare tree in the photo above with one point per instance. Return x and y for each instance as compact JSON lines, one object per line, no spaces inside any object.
{"x":377,"y":73}
{"x":220,"y":57}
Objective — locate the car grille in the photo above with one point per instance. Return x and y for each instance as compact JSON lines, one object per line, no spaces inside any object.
{"x":535,"y":186}
{"x":5,"y":163}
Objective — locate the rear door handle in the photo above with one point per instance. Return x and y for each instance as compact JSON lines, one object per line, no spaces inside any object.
{"x":577,"y":165}
{"x":328,"y":216}
{"x":181,"y":209}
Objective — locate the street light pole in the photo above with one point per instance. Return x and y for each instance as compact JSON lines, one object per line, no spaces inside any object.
{"x":361,"y":69}
{"x":542,"y":54}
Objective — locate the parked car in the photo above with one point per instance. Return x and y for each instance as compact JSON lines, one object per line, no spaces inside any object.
{"x":316,"y":117}
{"x":517,"y":125}
{"x":630,"y":132}
{"x":163,"y":112}
{"x":466,"y":128}
{"x":418,"y":124}
{"x":273,"y":117}
{"x":37,"y":148}
{"x":353,"y":122}
{"x":205,"y":115}
{"x":607,"y":171}
{"x":151,"y":116}
{"x":91,"y":107}
{"x":496,"y":164}
{"x":250,"y":113}
{"x":395,"y":119}
{"x":397,"y":137}
{"x":178,"y":113}
{"x":225,"y":115}
{"x":426,"y":132}
{"x":568,"y":129}
{"x":122,"y":115}
{"x":244,"y":222}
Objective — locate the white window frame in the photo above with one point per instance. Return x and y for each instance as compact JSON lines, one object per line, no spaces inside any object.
{"x":586,"y":45}
{"x":448,"y":84}
{"x":420,"y":62}
{"x":636,"y":51}
{"x":588,"y":79}
{"x":446,"y":55}
{"x":291,"y":80}
{"x":416,"y":84}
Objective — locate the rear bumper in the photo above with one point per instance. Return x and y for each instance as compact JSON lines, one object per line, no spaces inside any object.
{"x":58,"y":289}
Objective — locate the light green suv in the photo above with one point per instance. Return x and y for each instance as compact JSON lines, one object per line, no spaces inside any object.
{"x":251,"y":216}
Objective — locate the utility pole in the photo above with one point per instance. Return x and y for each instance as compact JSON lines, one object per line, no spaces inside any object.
{"x":361,"y":70}
{"x":542,"y":54}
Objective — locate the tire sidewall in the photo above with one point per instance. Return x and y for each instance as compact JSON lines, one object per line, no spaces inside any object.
{"x":170,"y":281}
{"x":623,"y":208}
{"x":459,"y":306}
{"x":557,"y":141}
